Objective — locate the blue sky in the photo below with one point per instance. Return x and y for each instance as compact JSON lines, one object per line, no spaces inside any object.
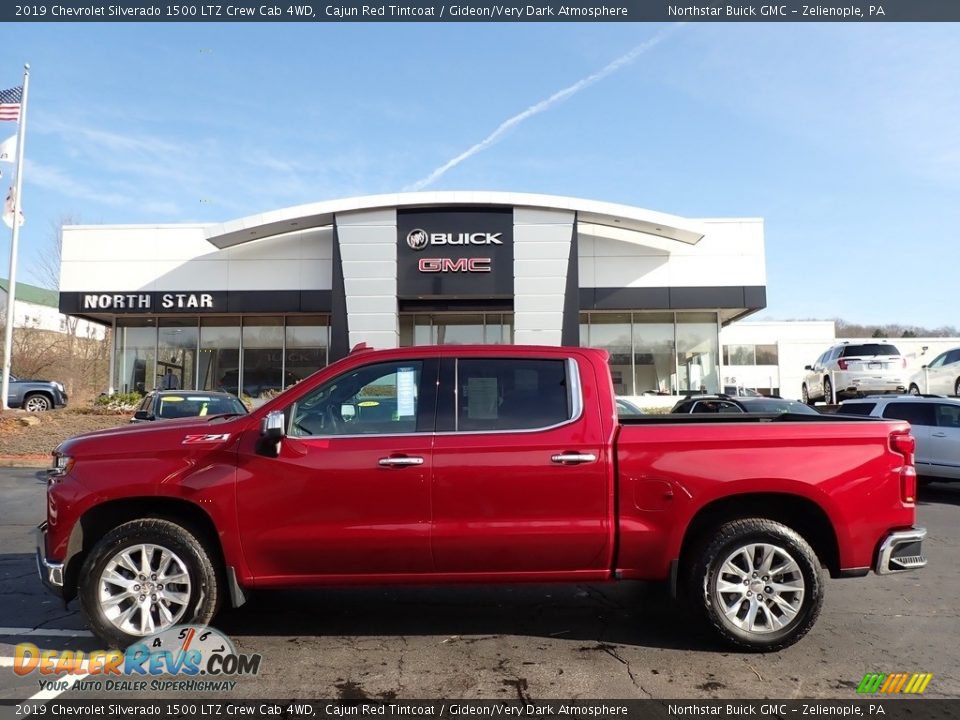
{"x":844,"y":138}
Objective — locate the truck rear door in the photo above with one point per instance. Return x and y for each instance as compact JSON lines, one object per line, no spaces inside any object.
{"x":520,"y":469}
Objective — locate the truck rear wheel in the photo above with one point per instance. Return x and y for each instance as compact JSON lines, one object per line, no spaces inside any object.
{"x":146,"y":576}
{"x":758,"y":583}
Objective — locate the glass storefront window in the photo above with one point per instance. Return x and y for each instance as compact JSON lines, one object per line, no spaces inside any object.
{"x":697,"y":352}
{"x":177,"y":354}
{"x":613,"y":333}
{"x":653,"y":338}
{"x":656,"y":352}
{"x":262,"y":356}
{"x":136,"y":354}
{"x":219,"y":362}
{"x":307,"y":343}
{"x":455,"y":329}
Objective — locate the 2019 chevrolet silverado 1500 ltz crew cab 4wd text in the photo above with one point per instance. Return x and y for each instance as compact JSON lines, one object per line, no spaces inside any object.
{"x":488,"y":464}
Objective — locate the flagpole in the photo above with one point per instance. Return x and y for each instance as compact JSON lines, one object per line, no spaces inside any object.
{"x":12,"y":277}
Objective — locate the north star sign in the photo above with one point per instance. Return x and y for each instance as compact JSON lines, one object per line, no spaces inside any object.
{"x":145,"y":301}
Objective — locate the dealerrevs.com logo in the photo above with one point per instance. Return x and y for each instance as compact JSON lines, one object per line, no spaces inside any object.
{"x":200,"y":659}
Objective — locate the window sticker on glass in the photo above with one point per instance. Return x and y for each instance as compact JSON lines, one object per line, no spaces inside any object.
{"x":482,"y":398}
{"x":406,"y":392}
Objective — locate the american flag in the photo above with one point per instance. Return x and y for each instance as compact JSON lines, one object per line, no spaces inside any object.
{"x":10,"y":103}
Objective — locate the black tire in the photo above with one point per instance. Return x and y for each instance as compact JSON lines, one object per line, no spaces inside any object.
{"x":37,"y":402}
{"x":805,"y":396}
{"x":956,"y":387}
{"x":205,"y":585}
{"x":914,"y":390}
{"x":828,"y":392}
{"x":702,"y":574}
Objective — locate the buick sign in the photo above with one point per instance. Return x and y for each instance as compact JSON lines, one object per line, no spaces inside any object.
{"x":455,"y":253}
{"x":417,"y":239}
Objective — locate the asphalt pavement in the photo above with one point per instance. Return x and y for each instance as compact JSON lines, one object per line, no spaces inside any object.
{"x":625,"y":640}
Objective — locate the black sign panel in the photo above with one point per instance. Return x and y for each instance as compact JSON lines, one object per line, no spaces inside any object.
{"x":193,"y":303}
{"x":454,"y":253}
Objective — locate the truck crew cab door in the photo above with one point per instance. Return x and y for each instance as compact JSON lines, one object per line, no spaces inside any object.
{"x":520,"y":480}
{"x":349,"y":493}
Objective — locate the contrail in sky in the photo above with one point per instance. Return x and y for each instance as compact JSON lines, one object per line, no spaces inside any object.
{"x":543,"y":106}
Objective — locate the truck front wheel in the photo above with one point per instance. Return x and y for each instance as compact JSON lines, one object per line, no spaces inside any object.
{"x":146,"y":576}
{"x":758,"y":583}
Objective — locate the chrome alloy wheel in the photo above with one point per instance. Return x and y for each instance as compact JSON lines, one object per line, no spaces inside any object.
{"x":36,"y":403}
{"x":144,"y":589}
{"x":759,"y":588}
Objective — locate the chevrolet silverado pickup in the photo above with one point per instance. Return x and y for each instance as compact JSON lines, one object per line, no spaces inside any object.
{"x":479,"y":464}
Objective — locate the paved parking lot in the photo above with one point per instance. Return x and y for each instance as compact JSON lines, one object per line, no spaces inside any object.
{"x":589,"y":641}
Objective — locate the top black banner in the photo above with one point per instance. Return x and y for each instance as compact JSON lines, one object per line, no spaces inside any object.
{"x":476,"y":11}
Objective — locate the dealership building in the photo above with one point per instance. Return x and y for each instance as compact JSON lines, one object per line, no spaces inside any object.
{"x":256,"y":304}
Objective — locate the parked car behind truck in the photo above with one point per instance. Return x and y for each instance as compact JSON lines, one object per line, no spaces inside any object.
{"x":496,"y":464}
{"x":853,"y":369}
{"x":36,"y":395}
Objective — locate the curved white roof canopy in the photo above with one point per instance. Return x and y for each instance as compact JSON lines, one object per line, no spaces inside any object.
{"x":589,"y":212}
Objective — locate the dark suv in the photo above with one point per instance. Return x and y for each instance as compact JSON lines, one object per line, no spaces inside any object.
{"x":36,"y":395}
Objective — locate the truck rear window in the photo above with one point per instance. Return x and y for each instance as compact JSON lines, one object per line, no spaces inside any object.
{"x":513,"y":394}
{"x":869,"y":350}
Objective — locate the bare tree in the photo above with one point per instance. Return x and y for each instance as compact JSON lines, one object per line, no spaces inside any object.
{"x":48,"y":264}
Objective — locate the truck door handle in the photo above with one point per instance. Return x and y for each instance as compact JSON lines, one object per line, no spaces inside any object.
{"x":400,"y":461}
{"x":573,"y":458}
{"x":939,"y":434}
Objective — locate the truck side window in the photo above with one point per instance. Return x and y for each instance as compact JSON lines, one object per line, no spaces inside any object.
{"x":376,"y":399}
{"x":515,"y":394}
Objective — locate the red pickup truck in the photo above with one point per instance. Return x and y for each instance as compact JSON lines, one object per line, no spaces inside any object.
{"x":484,"y":464}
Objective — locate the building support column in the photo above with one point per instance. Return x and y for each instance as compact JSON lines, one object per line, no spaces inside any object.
{"x":542,"y":257}
{"x":367,"y":245}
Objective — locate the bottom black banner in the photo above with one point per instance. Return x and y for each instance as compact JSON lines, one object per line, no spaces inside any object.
{"x":889,"y":709}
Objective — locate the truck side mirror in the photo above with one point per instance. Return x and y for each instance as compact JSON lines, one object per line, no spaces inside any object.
{"x":143,"y":415}
{"x":272,"y":427}
{"x":808,"y":367}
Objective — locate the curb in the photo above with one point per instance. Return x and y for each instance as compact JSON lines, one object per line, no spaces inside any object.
{"x":25,"y":461}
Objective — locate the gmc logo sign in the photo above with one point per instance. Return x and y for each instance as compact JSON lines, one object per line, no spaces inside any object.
{"x":464,"y":265}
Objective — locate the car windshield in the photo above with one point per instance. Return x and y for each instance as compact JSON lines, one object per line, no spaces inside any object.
{"x":627,"y":408}
{"x":772,"y":405}
{"x":869,"y":350}
{"x":191,"y":405}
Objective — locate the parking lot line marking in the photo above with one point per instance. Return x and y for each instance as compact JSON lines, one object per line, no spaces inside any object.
{"x":51,"y":694}
{"x":42,"y":632}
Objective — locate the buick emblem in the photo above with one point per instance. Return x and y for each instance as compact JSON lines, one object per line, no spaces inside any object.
{"x":417,"y":239}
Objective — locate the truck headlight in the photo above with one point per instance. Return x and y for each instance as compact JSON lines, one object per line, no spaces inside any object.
{"x":61,"y":466}
{"x":58,"y":386}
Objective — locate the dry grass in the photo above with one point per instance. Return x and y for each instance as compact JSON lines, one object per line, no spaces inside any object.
{"x":55,"y":426}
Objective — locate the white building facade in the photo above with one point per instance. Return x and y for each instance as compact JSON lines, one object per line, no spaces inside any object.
{"x":255,"y":304}
{"x":771,"y":356}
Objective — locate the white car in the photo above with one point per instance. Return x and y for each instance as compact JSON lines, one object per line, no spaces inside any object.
{"x":854,"y":369}
{"x":934,"y":422}
{"x":941,"y":375}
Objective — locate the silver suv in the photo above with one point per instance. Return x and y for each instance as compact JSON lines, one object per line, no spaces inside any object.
{"x":854,"y":369}
{"x":934,"y":421}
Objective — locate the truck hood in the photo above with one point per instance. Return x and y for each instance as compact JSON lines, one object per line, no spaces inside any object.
{"x":161,"y":435}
